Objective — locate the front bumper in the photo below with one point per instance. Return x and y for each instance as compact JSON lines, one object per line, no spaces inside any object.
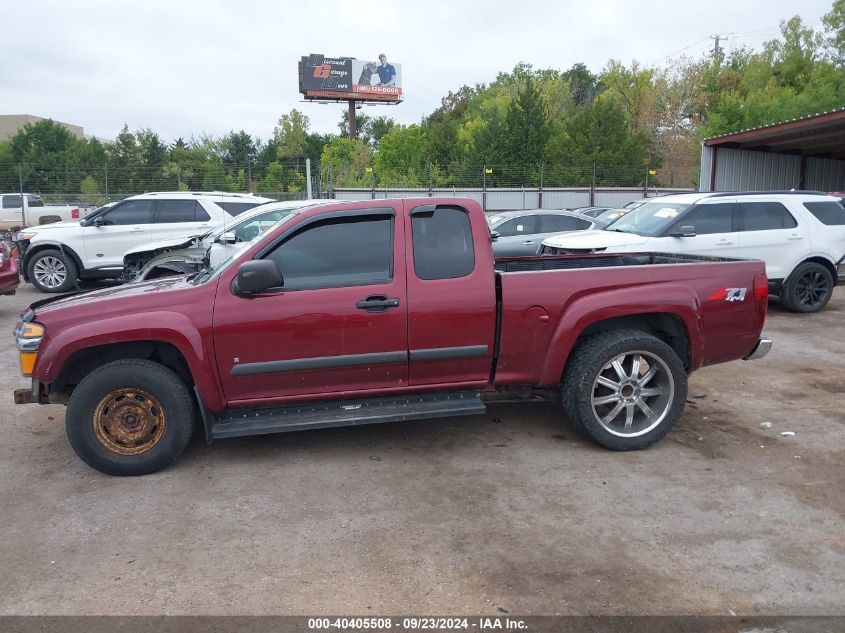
{"x":764,"y":344}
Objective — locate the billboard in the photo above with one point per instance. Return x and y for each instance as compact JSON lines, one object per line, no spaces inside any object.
{"x":346,"y":78}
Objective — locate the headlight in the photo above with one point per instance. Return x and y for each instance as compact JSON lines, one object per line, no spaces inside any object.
{"x":26,"y":236}
{"x":28,"y":337}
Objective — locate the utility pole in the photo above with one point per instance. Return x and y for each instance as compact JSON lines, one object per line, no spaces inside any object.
{"x":717,"y":49}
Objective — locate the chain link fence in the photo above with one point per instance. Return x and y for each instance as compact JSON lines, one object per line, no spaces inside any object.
{"x":495,"y":186}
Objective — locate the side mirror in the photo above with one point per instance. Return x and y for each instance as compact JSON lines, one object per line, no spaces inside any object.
{"x":99,"y":221}
{"x":494,"y":235}
{"x":258,"y":275}
{"x":228,"y":237}
{"x":683,"y":231}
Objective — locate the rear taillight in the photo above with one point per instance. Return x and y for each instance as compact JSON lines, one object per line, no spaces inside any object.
{"x":761,"y":297}
{"x":74,"y":214}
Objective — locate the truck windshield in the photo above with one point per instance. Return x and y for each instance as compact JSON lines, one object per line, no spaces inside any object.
{"x":648,"y":219}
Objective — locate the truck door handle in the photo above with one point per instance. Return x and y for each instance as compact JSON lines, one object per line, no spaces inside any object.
{"x":377,"y":303}
{"x":137,"y":229}
{"x":795,"y":237}
{"x":724,"y":243}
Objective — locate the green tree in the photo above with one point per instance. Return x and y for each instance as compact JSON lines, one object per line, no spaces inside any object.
{"x":291,"y":135}
{"x":348,"y":160}
{"x":403,"y":157}
{"x":526,"y":129}
{"x":834,"y":28}
{"x":584,"y":85}
{"x":239,"y":148}
{"x":600,"y":136}
{"x":44,"y":150}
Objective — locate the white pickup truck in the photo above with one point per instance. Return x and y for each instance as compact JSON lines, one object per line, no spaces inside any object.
{"x":27,"y":210}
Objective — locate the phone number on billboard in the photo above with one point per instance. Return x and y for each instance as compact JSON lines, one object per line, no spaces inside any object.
{"x":411,"y":624}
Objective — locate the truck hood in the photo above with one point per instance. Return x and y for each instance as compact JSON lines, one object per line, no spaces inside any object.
{"x":585,"y":240}
{"x":102,"y":300}
{"x":173,"y":242}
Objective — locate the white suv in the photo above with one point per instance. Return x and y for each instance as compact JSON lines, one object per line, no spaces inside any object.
{"x":800,"y":235}
{"x":56,"y":255}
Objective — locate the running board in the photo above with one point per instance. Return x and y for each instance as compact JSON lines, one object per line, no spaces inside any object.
{"x":241,"y":422}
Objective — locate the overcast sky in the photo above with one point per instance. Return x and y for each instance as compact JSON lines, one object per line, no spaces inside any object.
{"x":184,"y":67}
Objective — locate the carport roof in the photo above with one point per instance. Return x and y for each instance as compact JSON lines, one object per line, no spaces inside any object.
{"x":821,"y":134}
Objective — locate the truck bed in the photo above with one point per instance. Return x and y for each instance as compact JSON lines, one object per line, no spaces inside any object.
{"x":547,"y":302}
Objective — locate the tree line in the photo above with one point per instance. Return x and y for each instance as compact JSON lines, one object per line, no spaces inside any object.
{"x":528,"y":127}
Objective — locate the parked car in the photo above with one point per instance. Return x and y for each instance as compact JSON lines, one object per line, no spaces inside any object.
{"x":799,"y":234}
{"x":590,"y":212}
{"x":19,"y":211}
{"x":611,"y":215}
{"x":383,"y":310}
{"x":9,"y":279}
{"x":182,"y":255}
{"x":518,"y":233}
{"x":56,"y":255}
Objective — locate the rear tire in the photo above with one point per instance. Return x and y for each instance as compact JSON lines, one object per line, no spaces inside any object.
{"x":52,"y":271}
{"x":130,"y":417}
{"x":624,"y":389}
{"x":808,"y":288}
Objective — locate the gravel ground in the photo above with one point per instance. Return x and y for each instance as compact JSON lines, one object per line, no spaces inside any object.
{"x":511,"y":510}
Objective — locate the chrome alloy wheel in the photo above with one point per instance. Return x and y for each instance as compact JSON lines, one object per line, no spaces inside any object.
{"x":633,"y":393}
{"x":50,"y":271}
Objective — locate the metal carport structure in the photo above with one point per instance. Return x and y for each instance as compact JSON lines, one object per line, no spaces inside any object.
{"x":804,"y":153}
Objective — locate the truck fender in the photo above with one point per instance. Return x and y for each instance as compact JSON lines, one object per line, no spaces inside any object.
{"x":173,"y":328}
{"x":673,"y":299}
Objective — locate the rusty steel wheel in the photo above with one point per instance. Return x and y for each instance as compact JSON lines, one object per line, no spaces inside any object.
{"x":130,"y":417}
{"x":129,"y":421}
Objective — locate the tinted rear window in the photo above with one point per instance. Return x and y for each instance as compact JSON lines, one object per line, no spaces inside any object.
{"x":172,"y":211}
{"x":442,"y":243}
{"x":765,"y":216}
{"x":827,"y":212}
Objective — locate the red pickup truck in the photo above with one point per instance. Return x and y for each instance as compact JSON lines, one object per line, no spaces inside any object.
{"x":385,"y":310}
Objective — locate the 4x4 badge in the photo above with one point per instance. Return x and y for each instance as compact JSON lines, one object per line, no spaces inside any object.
{"x":735,"y":294}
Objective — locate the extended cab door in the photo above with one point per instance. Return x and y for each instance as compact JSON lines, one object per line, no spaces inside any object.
{"x":768,"y":231}
{"x":451,"y":296}
{"x":125,"y":225}
{"x":716,"y":232}
{"x":338,"y":324}
{"x":179,"y":218}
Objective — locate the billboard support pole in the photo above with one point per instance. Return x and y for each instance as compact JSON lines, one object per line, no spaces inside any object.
{"x":353,"y":124}
{"x":308,"y":178}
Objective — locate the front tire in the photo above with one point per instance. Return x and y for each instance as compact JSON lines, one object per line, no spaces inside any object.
{"x":808,"y":288}
{"x":52,"y":271}
{"x":130,"y":417}
{"x":625,"y":389}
